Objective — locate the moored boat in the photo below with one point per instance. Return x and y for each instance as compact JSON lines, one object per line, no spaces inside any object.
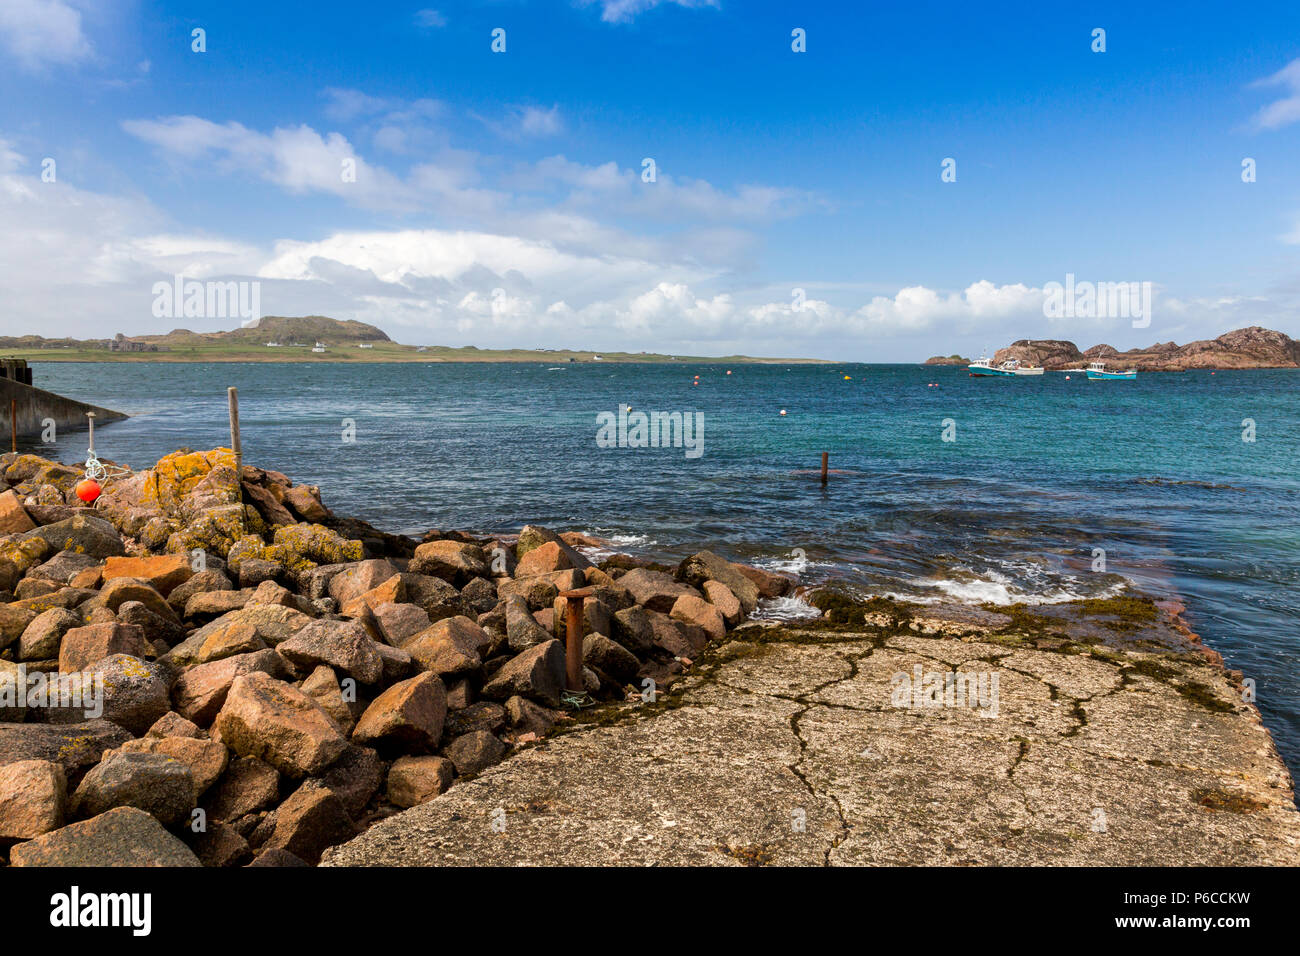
{"x":1097,"y":370}
{"x":985,"y":367}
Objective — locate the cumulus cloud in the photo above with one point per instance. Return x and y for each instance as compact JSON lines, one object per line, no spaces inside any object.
{"x":535,"y":253}
{"x":38,"y":34}
{"x":88,"y":260}
{"x":556,"y":199}
{"x":97,"y":257}
{"x":1285,"y":111}
{"x":296,"y":158}
{"x":457,"y":264}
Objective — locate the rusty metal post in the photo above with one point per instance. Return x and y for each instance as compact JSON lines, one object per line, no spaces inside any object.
{"x":573,"y":601}
{"x":826,"y":459}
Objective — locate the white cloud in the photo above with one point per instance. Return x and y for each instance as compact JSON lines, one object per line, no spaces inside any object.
{"x":457,"y":263}
{"x":1285,"y":111}
{"x":914,"y":309}
{"x":535,"y":121}
{"x":42,"y":33}
{"x":554,"y":199}
{"x":98,"y":256}
{"x":535,"y":270}
{"x":94,"y":259}
{"x":393,"y":126}
{"x":84,"y":263}
{"x":345,"y":105}
{"x":667,"y":198}
{"x":430,"y":19}
{"x":624,"y":11}
{"x":296,"y":158}
{"x":525,"y":122}
{"x":918,"y":308}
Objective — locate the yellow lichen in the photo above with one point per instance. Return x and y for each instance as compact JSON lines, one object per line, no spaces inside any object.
{"x":317,"y":544}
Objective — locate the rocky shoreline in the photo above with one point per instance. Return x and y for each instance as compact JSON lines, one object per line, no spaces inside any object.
{"x":208,"y":667}
{"x":1252,"y":347}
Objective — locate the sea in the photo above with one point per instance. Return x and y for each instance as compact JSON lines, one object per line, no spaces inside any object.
{"x":941,"y":486}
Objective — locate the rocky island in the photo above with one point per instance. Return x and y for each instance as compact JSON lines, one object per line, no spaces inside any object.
{"x":208,"y":667}
{"x":1252,"y":347}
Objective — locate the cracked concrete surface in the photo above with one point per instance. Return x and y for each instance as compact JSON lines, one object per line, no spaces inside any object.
{"x":785,"y":749}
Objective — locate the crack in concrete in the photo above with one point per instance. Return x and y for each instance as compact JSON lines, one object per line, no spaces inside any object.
{"x":797,"y":730}
{"x":1077,"y":713}
{"x":797,"y":699}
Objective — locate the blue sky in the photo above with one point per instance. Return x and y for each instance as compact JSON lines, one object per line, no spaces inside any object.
{"x":499,"y":198}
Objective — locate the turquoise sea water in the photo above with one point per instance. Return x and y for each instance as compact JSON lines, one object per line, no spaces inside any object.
{"x":1043,"y":471}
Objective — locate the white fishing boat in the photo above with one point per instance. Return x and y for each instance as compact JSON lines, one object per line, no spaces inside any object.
{"x":984,"y":367}
{"x":1018,"y":368}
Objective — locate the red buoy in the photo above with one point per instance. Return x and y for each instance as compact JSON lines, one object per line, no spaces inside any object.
{"x":88,"y":490}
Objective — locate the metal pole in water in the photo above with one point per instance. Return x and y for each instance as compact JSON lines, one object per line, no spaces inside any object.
{"x":13,"y":425}
{"x":232,"y":394}
{"x":826,"y":458}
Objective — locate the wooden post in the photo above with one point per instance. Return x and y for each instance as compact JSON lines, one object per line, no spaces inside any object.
{"x":232,"y":394}
{"x":13,"y":425}
{"x":826,"y":458}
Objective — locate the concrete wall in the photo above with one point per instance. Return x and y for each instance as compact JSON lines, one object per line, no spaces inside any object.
{"x":35,"y":405}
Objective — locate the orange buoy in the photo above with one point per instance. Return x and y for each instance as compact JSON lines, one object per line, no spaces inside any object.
{"x":88,"y":490}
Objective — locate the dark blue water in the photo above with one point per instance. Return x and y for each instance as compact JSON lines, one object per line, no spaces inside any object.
{"x":1042,"y":472}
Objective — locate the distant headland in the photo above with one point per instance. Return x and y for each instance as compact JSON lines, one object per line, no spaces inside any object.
{"x":1252,"y":347}
{"x":313,"y":338}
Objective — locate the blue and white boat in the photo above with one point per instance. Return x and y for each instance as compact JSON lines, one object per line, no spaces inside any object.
{"x":1097,"y":370}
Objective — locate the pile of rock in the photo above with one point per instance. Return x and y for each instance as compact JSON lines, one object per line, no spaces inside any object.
{"x":207,"y":666}
{"x":1252,"y":347}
